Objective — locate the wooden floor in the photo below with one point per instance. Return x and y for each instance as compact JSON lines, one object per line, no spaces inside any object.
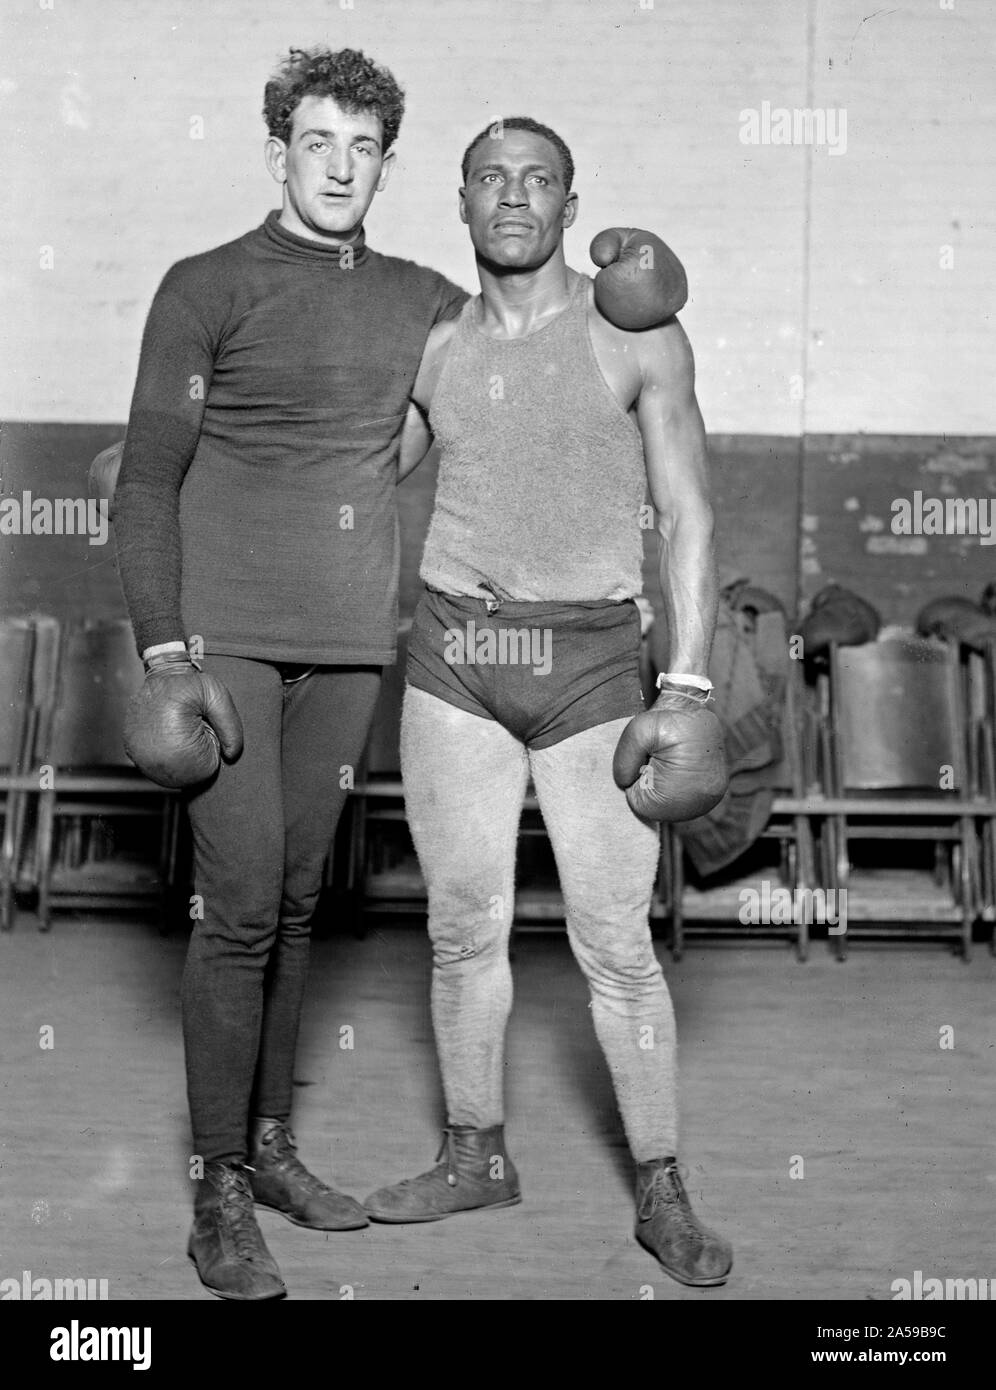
{"x":840,"y":1065}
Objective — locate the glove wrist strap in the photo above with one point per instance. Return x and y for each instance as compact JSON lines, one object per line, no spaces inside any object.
{"x":168,"y":660}
{"x":697,"y":687}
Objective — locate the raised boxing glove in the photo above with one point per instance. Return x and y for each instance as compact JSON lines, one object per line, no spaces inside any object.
{"x":642,"y":283}
{"x":181,"y":723}
{"x":671,"y":759}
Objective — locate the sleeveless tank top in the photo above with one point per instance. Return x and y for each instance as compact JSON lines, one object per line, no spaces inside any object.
{"x":541,"y":472}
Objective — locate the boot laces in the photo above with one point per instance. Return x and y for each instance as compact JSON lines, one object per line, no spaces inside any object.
{"x":237,"y":1208}
{"x":284,"y":1149}
{"x":666,"y":1189}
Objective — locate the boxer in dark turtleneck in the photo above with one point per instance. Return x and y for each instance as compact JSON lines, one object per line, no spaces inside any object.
{"x":255,"y":520}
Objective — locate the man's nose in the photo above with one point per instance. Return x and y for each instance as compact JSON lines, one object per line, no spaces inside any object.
{"x":514,"y":195}
{"x":339,"y":166}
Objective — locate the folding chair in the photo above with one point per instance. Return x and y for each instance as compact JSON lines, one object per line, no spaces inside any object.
{"x":796,"y":801}
{"x":899,"y":768}
{"x":85,"y":775}
{"x":17,"y":639}
{"x":47,"y":638}
{"x":981,"y":702}
{"x":789,"y":823}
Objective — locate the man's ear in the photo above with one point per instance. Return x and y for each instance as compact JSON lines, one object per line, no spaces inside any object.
{"x":275,"y":155}
{"x":570,"y":209}
{"x":463,"y":205}
{"x":386,"y":165}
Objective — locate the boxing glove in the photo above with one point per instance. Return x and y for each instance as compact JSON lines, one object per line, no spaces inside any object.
{"x":671,"y":759}
{"x":957,"y":620}
{"x":838,"y":615}
{"x":642,"y":283}
{"x":180,"y":724}
{"x":103,"y":475}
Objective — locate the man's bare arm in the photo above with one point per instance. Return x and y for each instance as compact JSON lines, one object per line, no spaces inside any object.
{"x":416,"y":434}
{"x":416,"y":441}
{"x":674,"y":446}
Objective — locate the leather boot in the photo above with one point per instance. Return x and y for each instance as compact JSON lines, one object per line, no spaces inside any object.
{"x":280,"y":1182}
{"x":670,"y":1230}
{"x":226,"y":1245}
{"x":477,"y":1172}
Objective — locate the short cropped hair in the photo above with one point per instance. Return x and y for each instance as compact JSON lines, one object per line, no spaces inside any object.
{"x":523,"y":123}
{"x":352,"y":79}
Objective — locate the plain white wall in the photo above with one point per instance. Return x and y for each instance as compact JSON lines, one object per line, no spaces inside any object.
{"x":818,"y":297}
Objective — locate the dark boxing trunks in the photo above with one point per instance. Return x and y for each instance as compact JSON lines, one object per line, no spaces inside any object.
{"x":544,"y":671}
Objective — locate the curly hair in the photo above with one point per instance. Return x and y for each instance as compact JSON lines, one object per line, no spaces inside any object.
{"x":352,"y":79}
{"x":523,"y":123}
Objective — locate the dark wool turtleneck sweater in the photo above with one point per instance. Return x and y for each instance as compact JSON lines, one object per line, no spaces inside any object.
{"x":255,"y":505}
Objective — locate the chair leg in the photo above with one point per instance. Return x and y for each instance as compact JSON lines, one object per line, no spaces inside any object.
{"x":14,"y":826}
{"x":989,"y":846}
{"x":46,"y":819}
{"x":6,"y":891}
{"x":941,"y":873}
{"x":804,"y":879}
{"x":8,"y":865}
{"x":986,"y":877}
{"x":841,"y":871}
{"x":74,"y":842}
{"x":988,"y":739}
{"x":828,"y":852}
{"x":786,"y":865}
{"x":967,"y":882}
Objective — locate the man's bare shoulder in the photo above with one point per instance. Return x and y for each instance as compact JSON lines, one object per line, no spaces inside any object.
{"x":437,"y":345}
{"x":440,"y":336}
{"x":660,"y":357}
{"x":666,"y":356}
{"x":664,"y":348}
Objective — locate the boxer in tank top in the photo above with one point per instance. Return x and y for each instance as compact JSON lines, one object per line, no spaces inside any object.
{"x":551,"y":425}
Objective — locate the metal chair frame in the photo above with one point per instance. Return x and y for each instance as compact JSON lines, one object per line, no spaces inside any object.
{"x":911,"y":812}
{"x":790,"y":823}
{"x":19,"y":717}
{"x":84,"y":792}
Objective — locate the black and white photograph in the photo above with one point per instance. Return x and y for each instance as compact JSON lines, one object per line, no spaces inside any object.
{"x":498,"y":668}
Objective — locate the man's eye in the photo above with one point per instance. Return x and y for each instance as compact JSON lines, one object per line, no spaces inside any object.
{"x":486,"y":177}
{"x":317,"y":145}
{"x":538,"y":178}
{"x":363,"y":149}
